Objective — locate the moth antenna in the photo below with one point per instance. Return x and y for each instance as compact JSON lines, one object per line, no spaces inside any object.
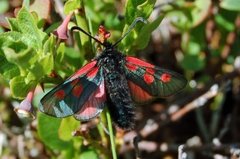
{"x":131,"y":27}
{"x":86,"y":33}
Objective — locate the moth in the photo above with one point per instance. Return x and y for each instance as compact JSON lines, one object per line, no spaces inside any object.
{"x":114,"y":80}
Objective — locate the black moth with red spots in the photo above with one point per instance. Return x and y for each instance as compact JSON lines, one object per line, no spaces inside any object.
{"x":113,"y":80}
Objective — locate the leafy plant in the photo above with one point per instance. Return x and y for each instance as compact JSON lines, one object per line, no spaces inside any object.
{"x":28,"y":54}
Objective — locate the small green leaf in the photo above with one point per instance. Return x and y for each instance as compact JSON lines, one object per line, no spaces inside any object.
{"x":71,"y":5}
{"x":23,"y":59}
{"x":192,"y":48}
{"x":67,"y":126}
{"x":181,"y":19}
{"x":225,"y":19}
{"x":134,"y":9}
{"x":233,"y":5}
{"x":185,"y":16}
{"x":200,"y":11}
{"x":138,"y":8}
{"x":49,"y":45}
{"x":42,"y":67}
{"x":60,"y":53}
{"x":52,"y":27}
{"x":73,"y":57}
{"x":48,"y":132}
{"x":8,"y":70}
{"x":11,"y":72}
{"x":14,"y":24}
{"x":145,"y":33}
{"x":13,"y":35}
{"x":193,"y":62}
{"x":28,"y":26}
{"x":47,"y":62}
{"x":19,"y":88}
{"x":67,"y":60}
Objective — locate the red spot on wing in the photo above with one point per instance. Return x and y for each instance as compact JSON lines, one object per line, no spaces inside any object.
{"x":74,"y":82}
{"x":150,"y":71}
{"x":60,"y":94}
{"x":131,"y":67}
{"x":148,"y":78}
{"x":166,"y":77}
{"x":77,"y":90}
{"x":138,"y":94}
{"x":137,"y":61}
{"x":92,"y":73}
{"x":83,"y":70}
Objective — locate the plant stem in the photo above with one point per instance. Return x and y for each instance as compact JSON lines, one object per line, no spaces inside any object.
{"x":101,"y":129}
{"x":110,"y":129}
{"x":86,"y":44}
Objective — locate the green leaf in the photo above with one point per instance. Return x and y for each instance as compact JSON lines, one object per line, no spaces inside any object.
{"x":17,"y":46}
{"x":11,"y":72}
{"x":47,"y":63}
{"x":48,"y":132}
{"x":193,"y":62}
{"x":53,"y":27}
{"x":14,"y":24}
{"x":145,"y":33}
{"x":28,"y":26}
{"x":89,"y":154}
{"x":19,"y":88}
{"x":49,"y":45}
{"x":134,"y":9}
{"x":8,"y":70}
{"x":73,"y":57}
{"x":233,"y":5}
{"x":200,"y":11}
{"x":42,"y":67}
{"x":13,"y":36}
{"x":23,"y":59}
{"x":60,"y":53}
{"x":192,"y":47}
{"x":181,"y":19}
{"x":225,"y":18}
{"x":67,"y":60}
{"x":71,"y":5}
{"x":186,"y":15}
{"x":138,"y":8}
{"x":67,"y":126}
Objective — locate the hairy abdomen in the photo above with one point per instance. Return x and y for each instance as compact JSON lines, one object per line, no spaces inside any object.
{"x":119,"y":100}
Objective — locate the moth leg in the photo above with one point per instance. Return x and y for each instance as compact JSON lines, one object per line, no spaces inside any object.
{"x":136,"y":140}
